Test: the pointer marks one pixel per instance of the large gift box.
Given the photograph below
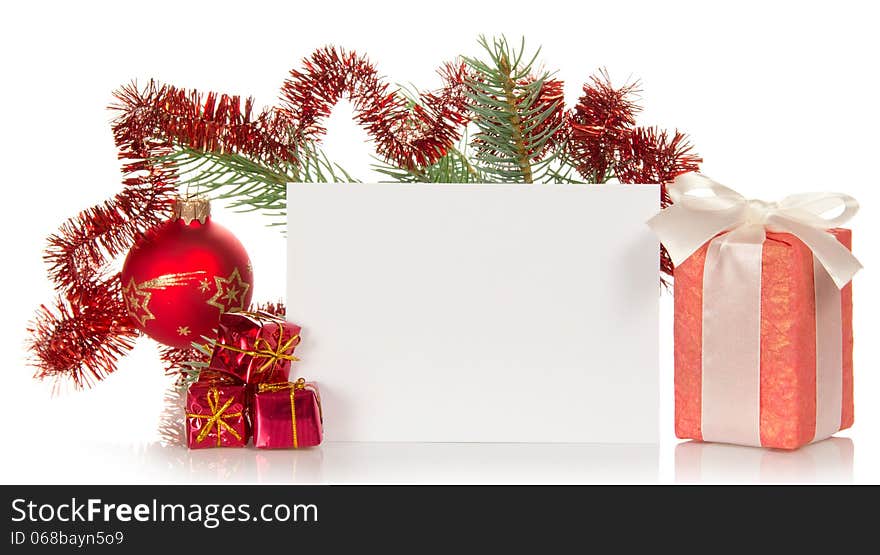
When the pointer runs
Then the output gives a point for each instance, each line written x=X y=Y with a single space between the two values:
x=763 y=315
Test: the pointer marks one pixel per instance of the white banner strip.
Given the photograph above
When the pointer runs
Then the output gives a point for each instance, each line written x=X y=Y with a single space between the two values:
x=829 y=353
x=731 y=407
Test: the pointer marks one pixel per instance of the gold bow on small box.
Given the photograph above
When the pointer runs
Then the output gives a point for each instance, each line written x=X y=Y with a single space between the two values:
x=216 y=418
x=263 y=349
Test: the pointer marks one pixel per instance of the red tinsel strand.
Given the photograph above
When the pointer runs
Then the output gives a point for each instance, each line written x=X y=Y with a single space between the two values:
x=600 y=123
x=652 y=156
x=552 y=97
x=82 y=339
x=89 y=328
x=409 y=136
x=212 y=122
x=275 y=309
x=435 y=124
x=86 y=243
x=174 y=359
x=667 y=268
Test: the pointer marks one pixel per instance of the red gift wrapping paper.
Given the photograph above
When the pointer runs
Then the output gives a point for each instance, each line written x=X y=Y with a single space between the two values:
x=254 y=347
x=286 y=415
x=216 y=415
x=788 y=343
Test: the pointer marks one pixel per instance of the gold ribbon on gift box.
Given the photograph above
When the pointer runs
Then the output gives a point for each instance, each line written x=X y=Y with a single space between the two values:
x=216 y=418
x=263 y=349
x=293 y=387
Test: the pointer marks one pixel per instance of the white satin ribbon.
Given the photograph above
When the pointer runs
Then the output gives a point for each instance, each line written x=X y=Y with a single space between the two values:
x=732 y=343
x=703 y=208
x=705 y=211
x=829 y=354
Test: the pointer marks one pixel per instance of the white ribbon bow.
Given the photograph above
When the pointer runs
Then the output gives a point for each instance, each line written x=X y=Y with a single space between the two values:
x=703 y=209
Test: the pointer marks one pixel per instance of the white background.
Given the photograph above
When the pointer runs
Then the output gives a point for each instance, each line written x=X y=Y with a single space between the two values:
x=778 y=98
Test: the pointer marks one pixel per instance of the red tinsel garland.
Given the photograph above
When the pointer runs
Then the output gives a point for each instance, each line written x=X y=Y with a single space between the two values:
x=211 y=122
x=600 y=123
x=412 y=135
x=88 y=330
x=604 y=141
x=83 y=338
x=650 y=155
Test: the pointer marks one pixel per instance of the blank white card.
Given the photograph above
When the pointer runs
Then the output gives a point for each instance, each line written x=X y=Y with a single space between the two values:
x=477 y=313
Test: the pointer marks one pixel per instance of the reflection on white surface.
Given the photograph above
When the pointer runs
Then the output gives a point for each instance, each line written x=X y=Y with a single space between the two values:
x=430 y=463
x=828 y=461
x=419 y=463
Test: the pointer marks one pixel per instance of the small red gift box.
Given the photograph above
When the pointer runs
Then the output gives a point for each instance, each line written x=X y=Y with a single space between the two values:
x=216 y=415
x=255 y=347
x=286 y=415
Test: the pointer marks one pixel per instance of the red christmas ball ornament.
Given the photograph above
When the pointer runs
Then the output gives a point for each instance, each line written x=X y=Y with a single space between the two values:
x=180 y=276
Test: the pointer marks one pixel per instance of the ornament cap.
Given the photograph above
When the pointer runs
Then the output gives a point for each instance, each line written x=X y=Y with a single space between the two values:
x=190 y=209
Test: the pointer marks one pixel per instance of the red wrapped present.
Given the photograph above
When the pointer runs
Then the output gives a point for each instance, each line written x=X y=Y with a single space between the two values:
x=255 y=347
x=287 y=415
x=763 y=315
x=216 y=415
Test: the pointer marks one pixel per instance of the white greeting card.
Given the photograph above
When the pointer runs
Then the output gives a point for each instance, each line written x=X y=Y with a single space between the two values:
x=491 y=313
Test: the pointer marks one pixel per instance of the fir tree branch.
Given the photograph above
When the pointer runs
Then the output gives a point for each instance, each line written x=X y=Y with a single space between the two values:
x=519 y=116
x=252 y=185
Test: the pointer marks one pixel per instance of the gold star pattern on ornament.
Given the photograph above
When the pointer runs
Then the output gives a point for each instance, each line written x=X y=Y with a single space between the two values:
x=204 y=285
x=230 y=292
x=183 y=330
x=137 y=301
x=231 y=296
